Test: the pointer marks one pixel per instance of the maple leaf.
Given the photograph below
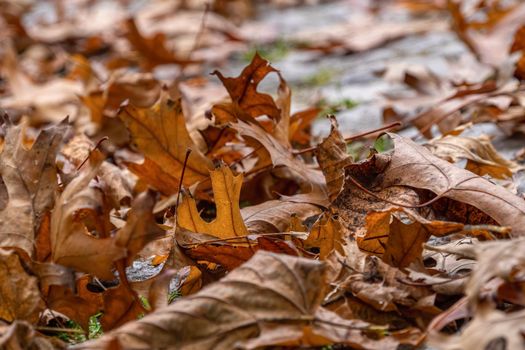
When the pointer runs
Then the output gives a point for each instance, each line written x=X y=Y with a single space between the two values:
x=160 y=133
x=28 y=183
x=222 y=316
x=229 y=222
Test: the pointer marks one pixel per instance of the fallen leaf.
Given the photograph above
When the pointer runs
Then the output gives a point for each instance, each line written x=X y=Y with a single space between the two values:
x=398 y=237
x=413 y=165
x=489 y=329
x=274 y=216
x=160 y=133
x=21 y=335
x=153 y=50
x=20 y=297
x=227 y=317
x=332 y=157
x=247 y=103
x=71 y=244
x=229 y=222
x=29 y=183
x=482 y=157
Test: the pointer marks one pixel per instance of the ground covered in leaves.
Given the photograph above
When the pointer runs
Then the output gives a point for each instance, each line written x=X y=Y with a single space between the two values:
x=161 y=189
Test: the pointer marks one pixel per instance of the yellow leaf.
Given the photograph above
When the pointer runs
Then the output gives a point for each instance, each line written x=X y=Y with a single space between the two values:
x=229 y=222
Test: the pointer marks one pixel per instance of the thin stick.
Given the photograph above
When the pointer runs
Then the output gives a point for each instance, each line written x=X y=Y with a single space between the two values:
x=61 y=330
x=188 y=151
x=353 y=137
x=105 y=138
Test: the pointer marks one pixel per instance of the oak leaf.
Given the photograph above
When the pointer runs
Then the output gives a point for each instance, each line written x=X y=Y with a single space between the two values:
x=160 y=133
x=414 y=166
x=229 y=222
x=247 y=103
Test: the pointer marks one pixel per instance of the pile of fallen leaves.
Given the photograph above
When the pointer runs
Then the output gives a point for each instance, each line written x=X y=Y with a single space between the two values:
x=173 y=212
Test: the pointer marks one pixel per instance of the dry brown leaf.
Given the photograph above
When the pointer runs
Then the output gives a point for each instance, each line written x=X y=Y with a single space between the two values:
x=310 y=179
x=247 y=103
x=231 y=256
x=20 y=297
x=28 y=184
x=492 y=38
x=275 y=215
x=51 y=101
x=114 y=182
x=229 y=222
x=371 y=281
x=481 y=155
x=153 y=50
x=398 y=236
x=413 y=165
x=71 y=244
x=489 y=329
x=332 y=158
x=326 y=234
x=140 y=227
x=21 y=335
x=120 y=306
x=160 y=133
x=247 y=308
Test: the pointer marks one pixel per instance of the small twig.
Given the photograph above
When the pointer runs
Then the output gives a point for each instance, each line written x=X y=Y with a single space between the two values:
x=353 y=137
x=105 y=138
x=61 y=330
x=188 y=151
x=243 y=237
